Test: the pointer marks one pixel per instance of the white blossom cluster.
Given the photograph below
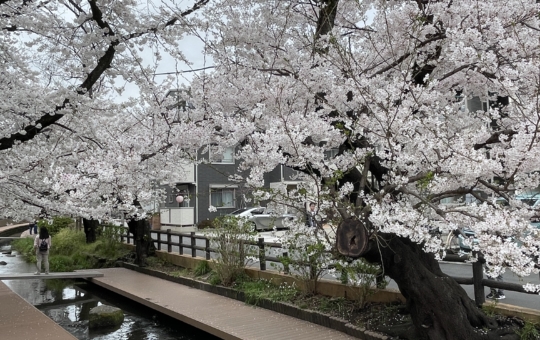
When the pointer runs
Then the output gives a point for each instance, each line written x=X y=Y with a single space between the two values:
x=384 y=86
x=355 y=90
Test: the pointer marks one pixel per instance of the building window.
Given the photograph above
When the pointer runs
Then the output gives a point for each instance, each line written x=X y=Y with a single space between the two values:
x=222 y=197
x=226 y=157
x=331 y=154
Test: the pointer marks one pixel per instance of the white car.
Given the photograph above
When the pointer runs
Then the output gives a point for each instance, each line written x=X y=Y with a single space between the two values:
x=262 y=219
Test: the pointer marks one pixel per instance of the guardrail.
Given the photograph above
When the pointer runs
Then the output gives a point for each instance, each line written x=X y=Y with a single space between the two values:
x=477 y=279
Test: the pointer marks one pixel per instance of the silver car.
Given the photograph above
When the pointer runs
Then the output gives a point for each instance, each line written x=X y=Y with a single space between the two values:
x=262 y=219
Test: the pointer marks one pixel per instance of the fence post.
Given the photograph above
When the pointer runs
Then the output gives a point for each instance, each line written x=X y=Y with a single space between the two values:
x=262 y=255
x=180 y=241
x=478 y=275
x=158 y=241
x=207 y=246
x=285 y=256
x=169 y=245
x=193 y=244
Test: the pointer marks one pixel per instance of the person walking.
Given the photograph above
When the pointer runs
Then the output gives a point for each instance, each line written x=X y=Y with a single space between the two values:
x=42 y=245
x=33 y=227
x=310 y=216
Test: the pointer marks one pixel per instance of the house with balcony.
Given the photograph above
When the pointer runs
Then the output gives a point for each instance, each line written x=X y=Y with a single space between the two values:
x=206 y=182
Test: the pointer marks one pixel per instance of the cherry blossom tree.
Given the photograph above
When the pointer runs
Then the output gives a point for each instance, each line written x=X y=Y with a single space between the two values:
x=72 y=140
x=383 y=82
x=386 y=83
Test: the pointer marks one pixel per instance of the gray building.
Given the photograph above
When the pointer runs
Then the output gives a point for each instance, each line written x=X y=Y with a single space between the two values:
x=207 y=184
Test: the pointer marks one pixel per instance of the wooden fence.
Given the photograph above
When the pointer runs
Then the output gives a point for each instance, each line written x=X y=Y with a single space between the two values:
x=477 y=279
x=160 y=243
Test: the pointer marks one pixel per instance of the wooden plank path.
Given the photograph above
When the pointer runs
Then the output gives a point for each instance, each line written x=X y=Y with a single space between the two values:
x=215 y=314
x=79 y=274
x=19 y=320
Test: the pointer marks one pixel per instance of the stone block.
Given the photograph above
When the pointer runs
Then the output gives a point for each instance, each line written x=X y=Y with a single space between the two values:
x=105 y=317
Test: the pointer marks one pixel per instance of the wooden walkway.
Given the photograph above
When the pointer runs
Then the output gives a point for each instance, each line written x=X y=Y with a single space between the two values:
x=79 y=274
x=215 y=314
x=19 y=320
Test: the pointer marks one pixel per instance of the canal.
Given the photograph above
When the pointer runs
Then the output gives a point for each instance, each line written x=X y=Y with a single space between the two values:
x=68 y=303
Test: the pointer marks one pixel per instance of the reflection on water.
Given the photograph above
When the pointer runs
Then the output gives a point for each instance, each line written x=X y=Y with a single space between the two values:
x=69 y=303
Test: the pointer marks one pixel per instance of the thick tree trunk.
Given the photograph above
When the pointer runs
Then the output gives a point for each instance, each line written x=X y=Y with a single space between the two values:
x=144 y=246
x=90 y=227
x=440 y=308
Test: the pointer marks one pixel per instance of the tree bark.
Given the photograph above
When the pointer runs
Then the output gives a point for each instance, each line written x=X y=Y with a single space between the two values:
x=144 y=246
x=90 y=230
x=440 y=308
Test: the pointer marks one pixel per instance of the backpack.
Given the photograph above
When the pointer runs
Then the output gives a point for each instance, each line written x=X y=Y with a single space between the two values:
x=43 y=246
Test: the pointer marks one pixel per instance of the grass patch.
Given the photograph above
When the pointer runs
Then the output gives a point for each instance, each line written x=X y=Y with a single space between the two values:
x=70 y=251
x=257 y=290
x=202 y=268
x=529 y=331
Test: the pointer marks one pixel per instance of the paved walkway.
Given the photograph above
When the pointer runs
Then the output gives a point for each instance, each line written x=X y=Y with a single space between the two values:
x=19 y=320
x=215 y=314
x=12 y=227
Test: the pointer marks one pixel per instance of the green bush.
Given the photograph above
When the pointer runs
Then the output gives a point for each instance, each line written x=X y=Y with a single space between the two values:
x=202 y=268
x=67 y=242
x=56 y=224
x=231 y=239
x=61 y=263
x=109 y=237
x=529 y=332
x=70 y=251
x=363 y=276
x=308 y=257
x=205 y=224
x=25 y=246
x=83 y=261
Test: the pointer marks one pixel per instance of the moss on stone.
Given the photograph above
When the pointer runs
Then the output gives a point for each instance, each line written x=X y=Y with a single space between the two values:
x=104 y=317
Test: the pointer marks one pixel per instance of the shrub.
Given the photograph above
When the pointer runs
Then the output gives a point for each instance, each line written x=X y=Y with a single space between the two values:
x=61 y=263
x=231 y=240
x=70 y=251
x=67 y=242
x=55 y=224
x=202 y=268
x=109 y=235
x=363 y=276
x=308 y=256
x=25 y=246
x=205 y=224
x=529 y=332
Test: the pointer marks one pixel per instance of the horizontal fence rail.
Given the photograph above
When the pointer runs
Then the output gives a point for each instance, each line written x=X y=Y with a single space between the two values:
x=477 y=280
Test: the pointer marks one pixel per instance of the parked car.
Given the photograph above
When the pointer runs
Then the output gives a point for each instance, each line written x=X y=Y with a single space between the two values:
x=261 y=219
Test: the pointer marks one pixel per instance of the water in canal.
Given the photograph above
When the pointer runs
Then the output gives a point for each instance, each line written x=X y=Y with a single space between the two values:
x=68 y=304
